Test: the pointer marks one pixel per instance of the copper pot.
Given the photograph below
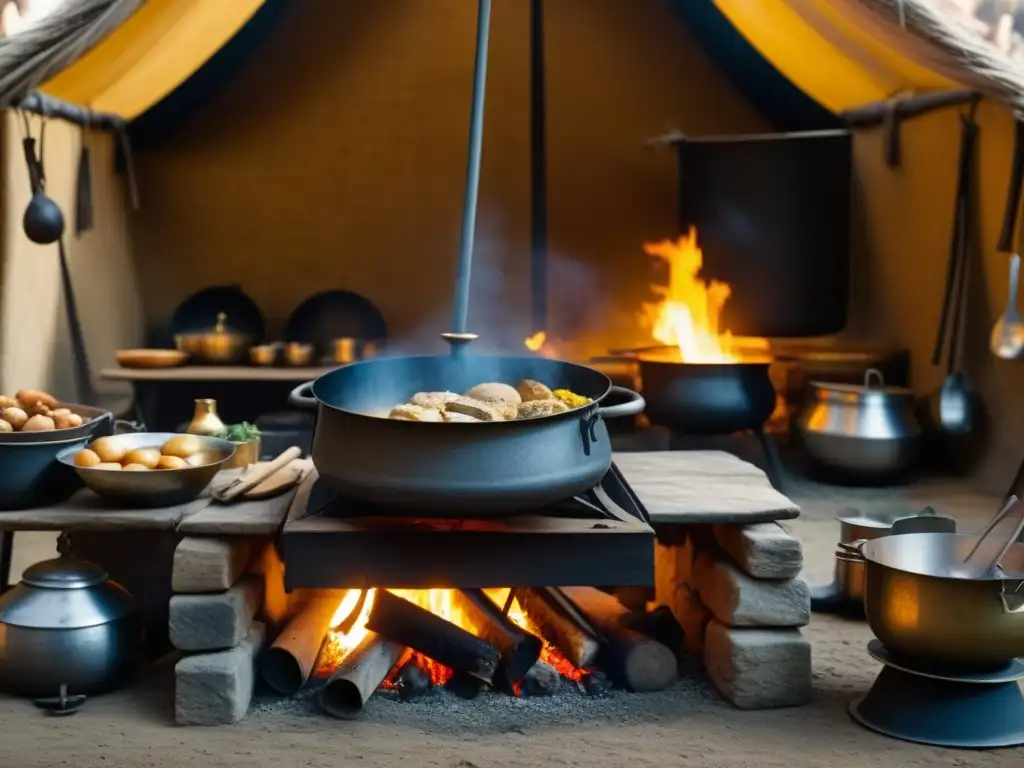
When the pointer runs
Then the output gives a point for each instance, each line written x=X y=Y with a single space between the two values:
x=219 y=345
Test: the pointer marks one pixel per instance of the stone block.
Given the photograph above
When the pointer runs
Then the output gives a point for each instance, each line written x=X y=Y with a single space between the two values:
x=762 y=550
x=758 y=668
x=739 y=600
x=209 y=564
x=217 y=621
x=216 y=688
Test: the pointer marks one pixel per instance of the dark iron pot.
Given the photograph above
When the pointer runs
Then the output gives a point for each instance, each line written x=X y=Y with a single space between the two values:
x=706 y=398
x=441 y=469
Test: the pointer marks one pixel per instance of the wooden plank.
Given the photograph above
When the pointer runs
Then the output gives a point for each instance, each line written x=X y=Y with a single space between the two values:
x=247 y=518
x=85 y=511
x=680 y=487
x=216 y=373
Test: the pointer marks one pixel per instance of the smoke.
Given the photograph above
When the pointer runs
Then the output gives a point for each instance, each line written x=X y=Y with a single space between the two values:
x=500 y=303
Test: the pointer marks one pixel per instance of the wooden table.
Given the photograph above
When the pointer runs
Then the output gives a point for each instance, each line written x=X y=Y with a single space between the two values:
x=85 y=511
x=164 y=396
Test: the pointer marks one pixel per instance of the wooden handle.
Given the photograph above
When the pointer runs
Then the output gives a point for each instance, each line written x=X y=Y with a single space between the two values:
x=257 y=475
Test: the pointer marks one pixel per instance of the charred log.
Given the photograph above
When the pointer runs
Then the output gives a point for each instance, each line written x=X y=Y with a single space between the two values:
x=560 y=624
x=409 y=625
x=518 y=648
x=541 y=680
x=412 y=681
x=287 y=664
x=596 y=683
x=465 y=686
x=630 y=659
x=659 y=624
x=358 y=676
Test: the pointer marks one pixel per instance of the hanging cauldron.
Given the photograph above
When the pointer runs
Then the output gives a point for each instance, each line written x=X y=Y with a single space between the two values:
x=773 y=216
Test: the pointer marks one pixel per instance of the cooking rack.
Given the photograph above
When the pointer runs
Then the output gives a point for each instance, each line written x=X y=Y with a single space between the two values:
x=601 y=538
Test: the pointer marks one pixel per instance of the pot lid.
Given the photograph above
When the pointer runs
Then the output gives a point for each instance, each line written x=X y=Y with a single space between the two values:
x=64 y=573
x=874 y=384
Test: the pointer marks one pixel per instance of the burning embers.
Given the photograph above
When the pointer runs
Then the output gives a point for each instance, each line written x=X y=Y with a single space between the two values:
x=519 y=642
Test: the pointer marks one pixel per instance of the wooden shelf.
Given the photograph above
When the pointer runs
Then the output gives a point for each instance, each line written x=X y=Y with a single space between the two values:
x=215 y=373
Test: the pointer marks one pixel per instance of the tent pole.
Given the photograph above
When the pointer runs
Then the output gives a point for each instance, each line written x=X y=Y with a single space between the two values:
x=538 y=173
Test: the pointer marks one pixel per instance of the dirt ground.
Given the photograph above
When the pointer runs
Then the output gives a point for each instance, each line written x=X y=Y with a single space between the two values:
x=685 y=726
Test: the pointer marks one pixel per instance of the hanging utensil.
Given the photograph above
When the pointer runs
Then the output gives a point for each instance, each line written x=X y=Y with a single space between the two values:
x=43 y=221
x=989 y=569
x=955 y=406
x=1008 y=334
x=1007 y=339
x=459 y=337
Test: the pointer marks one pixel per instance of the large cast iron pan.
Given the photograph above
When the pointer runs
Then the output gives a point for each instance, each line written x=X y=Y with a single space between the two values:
x=458 y=469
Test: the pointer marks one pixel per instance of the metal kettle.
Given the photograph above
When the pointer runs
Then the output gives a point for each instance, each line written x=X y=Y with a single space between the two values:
x=865 y=433
x=67 y=624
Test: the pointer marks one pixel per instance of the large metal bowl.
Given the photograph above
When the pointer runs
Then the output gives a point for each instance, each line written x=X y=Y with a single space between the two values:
x=159 y=487
x=100 y=422
x=922 y=604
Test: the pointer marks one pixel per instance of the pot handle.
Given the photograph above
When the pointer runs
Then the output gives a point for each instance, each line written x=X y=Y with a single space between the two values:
x=634 y=407
x=1013 y=599
x=302 y=397
x=851 y=553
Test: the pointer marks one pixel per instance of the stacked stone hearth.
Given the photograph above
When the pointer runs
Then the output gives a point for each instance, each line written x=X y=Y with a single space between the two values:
x=737 y=593
x=213 y=622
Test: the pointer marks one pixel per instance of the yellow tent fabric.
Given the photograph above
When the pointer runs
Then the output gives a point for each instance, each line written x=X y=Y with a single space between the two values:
x=152 y=53
x=822 y=48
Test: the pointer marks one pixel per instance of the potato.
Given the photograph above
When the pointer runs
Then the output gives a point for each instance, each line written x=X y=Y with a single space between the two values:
x=135 y=468
x=87 y=458
x=182 y=446
x=32 y=397
x=529 y=389
x=109 y=450
x=38 y=423
x=147 y=457
x=8 y=402
x=198 y=459
x=494 y=392
x=37 y=409
x=15 y=416
x=108 y=465
x=66 y=420
x=5 y=426
x=171 y=462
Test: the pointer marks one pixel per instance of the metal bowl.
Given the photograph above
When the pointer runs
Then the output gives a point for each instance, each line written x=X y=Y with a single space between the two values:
x=100 y=422
x=922 y=603
x=159 y=487
x=265 y=354
x=298 y=354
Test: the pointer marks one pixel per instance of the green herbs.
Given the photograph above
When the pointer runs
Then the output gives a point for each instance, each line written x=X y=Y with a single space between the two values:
x=241 y=433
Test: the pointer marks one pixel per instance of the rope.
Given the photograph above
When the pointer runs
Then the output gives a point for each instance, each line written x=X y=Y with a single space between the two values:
x=956 y=46
x=41 y=51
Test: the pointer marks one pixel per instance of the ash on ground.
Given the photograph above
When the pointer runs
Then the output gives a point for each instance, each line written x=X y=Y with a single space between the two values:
x=442 y=711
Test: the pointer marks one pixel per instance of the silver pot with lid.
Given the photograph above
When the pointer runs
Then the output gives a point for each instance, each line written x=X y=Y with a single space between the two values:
x=866 y=433
x=67 y=625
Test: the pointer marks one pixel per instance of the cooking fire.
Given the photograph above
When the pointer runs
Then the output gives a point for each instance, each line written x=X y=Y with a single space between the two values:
x=516 y=642
x=685 y=314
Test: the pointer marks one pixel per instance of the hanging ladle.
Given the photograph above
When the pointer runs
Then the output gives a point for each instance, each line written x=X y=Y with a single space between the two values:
x=955 y=407
x=1007 y=339
x=43 y=221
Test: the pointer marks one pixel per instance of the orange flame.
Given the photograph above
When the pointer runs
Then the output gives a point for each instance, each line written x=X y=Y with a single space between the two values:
x=440 y=602
x=535 y=342
x=688 y=311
